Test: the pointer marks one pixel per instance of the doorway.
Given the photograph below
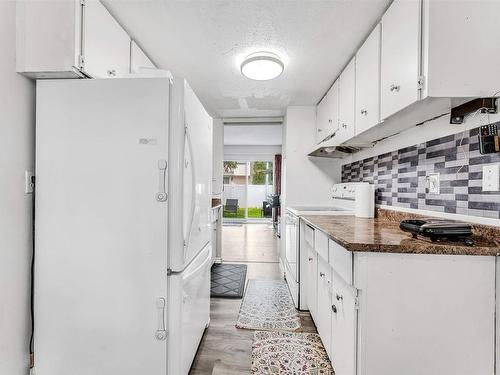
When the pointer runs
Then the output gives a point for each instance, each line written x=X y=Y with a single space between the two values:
x=247 y=186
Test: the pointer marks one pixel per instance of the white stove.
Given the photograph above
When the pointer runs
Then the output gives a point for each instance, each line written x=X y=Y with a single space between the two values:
x=344 y=199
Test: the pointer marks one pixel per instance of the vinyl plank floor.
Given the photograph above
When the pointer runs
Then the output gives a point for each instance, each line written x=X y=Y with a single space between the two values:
x=224 y=348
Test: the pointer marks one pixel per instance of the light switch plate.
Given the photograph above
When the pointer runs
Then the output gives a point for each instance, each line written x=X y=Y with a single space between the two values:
x=433 y=185
x=28 y=182
x=491 y=177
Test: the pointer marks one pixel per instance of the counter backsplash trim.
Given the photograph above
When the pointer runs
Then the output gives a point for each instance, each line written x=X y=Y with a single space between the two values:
x=400 y=176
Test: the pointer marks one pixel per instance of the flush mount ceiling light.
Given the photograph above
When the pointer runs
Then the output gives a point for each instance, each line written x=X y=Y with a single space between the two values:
x=262 y=66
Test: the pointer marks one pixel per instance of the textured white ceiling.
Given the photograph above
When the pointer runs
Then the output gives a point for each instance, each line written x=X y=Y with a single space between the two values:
x=252 y=135
x=205 y=41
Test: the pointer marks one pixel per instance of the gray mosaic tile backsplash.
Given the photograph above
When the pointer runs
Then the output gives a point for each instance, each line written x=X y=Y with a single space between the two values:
x=400 y=176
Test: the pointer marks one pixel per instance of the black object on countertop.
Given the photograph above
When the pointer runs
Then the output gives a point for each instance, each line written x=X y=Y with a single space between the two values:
x=439 y=229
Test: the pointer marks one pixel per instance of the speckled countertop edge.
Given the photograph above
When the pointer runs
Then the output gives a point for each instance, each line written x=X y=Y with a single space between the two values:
x=407 y=245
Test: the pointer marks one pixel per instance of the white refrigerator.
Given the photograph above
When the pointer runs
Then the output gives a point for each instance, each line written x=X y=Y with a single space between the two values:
x=122 y=264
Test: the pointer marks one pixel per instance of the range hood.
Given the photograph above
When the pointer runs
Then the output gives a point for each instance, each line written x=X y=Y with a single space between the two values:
x=330 y=148
x=335 y=152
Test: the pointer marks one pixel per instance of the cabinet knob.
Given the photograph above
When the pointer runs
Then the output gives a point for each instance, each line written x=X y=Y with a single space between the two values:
x=364 y=112
x=330 y=121
x=394 y=88
x=339 y=298
x=334 y=309
x=320 y=130
x=310 y=259
x=111 y=72
x=344 y=126
x=321 y=274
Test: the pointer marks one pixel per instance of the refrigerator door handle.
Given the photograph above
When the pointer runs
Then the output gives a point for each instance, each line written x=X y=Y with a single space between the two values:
x=161 y=196
x=161 y=332
x=193 y=190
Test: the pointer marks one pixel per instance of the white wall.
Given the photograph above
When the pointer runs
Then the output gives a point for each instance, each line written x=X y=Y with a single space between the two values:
x=17 y=105
x=218 y=157
x=251 y=153
x=306 y=180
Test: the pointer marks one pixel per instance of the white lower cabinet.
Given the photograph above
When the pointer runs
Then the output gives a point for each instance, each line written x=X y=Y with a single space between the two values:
x=343 y=327
x=324 y=317
x=408 y=314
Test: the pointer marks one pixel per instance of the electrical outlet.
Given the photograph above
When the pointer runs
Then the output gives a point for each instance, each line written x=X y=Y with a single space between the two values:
x=433 y=185
x=491 y=177
x=29 y=182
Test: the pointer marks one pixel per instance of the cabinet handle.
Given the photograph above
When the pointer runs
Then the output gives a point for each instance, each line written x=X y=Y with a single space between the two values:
x=394 y=88
x=111 y=72
x=364 y=112
x=310 y=259
x=334 y=309
x=339 y=298
x=344 y=126
x=321 y=274
x=330 y=121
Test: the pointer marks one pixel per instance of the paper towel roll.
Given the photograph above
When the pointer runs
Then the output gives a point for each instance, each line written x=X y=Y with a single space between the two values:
x=365 y=201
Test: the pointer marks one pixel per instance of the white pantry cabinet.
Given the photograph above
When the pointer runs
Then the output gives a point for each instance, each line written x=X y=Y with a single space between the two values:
x=347 y=97
x=400 y=56
x=368 y=82
x=70 y=39
x=327 y=114
x=138 y=59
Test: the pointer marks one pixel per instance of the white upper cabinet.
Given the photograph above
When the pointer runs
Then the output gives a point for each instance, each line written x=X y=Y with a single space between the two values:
x=327 y=113
x=70 y=39
x=321 y=119
x=400 y=56
x=106 y=46
x=461 y=52
x=138 y=59
x=347 y=97
x=368 y=82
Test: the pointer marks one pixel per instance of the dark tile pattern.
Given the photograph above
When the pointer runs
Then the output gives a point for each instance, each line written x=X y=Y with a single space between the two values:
x=400 y=176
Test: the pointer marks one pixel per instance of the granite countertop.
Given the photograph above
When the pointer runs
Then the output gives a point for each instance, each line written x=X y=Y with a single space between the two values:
x=383 y=235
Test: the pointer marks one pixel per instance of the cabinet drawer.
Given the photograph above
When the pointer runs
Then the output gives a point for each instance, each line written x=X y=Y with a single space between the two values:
x=341 y=260
x=309 y=235
x=321 y=244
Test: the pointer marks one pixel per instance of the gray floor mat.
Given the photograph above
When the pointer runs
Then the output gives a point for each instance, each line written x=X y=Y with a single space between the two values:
x=228 y=280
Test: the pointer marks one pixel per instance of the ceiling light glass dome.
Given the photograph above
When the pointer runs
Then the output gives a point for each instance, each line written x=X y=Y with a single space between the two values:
x=262 y=66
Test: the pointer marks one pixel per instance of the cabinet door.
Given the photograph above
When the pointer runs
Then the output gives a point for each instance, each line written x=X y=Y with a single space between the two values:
x=138 y=59
x=343 y=328
x=400 y=56
x=321 y=119
x=347 y=96
x=106 y=48
x=324 y=318
x=332 y=122
x=312 y=282
x=368 y=83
